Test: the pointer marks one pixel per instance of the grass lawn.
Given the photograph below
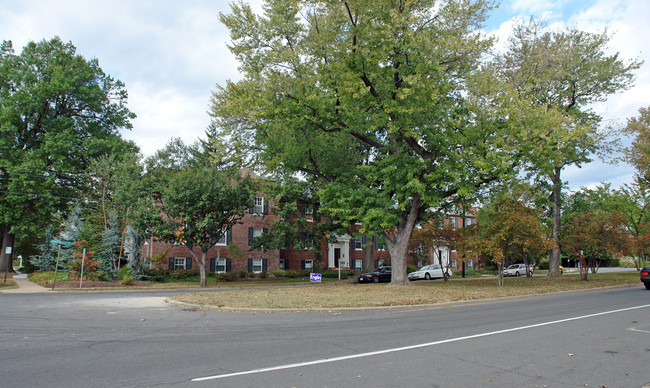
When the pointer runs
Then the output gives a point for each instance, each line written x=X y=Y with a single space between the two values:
x=350 y=295
x=9 y=283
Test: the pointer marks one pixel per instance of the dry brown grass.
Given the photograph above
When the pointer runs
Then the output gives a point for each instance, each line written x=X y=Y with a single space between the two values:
x=386 y=295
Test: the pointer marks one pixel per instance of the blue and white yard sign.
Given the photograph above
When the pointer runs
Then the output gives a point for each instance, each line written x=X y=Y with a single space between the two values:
x=315 y=277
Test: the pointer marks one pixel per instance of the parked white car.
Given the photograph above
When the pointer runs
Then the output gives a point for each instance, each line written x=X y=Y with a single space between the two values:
x=429 y=272
x=517 y=270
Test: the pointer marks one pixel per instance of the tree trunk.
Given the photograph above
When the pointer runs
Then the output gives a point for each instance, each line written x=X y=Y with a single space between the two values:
x=556 y=209
x=204 y=255
x=368 y=259
x=500 y=267
x=399 y=250
x=584 y=270
x=7 y=241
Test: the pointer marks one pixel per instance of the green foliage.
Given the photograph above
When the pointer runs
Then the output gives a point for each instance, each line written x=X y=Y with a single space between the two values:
x=374 y=105
x=183 y=274
x=58 y=112
x=638 y=153
x=543 y=263
x=335 y=274
x=627 y=262
x=110 y=248
x=197 y=204
x=47 y=277
x=159 y=259
x=563 y=72
x=235 y=252
x=225 y=277
x=125 y=275
x=411 y=268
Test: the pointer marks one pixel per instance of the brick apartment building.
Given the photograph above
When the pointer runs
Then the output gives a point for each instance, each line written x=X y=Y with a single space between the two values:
x=345 y=251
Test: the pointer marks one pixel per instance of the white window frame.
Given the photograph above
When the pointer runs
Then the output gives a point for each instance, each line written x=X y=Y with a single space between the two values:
x=258 y=232
x=283 y=264
x=220 y=265
x=257 y=263
x=469 y=221
x=309 y=215
x=309 y=264
x=453 y=222
x=258 y=205
x=180 y=262
x=223 y=241
x=358 y=244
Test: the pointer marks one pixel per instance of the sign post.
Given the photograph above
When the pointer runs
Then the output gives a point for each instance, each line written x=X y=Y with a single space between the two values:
x=83 y=260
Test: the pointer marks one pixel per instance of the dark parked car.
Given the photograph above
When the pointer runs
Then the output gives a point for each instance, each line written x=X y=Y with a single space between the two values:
x=645 y=277
x=381 y=274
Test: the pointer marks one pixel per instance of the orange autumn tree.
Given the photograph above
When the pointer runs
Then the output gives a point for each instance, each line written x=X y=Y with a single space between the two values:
x=509 y=226
x=594 y=232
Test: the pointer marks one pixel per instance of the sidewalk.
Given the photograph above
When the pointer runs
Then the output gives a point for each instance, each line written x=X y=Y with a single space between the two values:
x=25 y=286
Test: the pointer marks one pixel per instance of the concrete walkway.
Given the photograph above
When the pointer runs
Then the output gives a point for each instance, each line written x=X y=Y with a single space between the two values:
x=25 y=286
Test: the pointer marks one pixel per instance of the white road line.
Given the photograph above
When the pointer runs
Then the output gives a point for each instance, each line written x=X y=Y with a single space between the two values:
x=428 y=344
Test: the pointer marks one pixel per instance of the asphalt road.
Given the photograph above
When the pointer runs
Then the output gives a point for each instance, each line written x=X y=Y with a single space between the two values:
x=118 y=339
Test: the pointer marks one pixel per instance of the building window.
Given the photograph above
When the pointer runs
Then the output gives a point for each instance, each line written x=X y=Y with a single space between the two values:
x=254 y=233
x=379 y=246
x=359 y=242
x=221 y=266
x=225 y=239
x=453 y=222
x=180 y=263
x=258 y=205
x=256 y=265
x=454 y=264
x=283 y=264
x=308 y=265
x=308 y=214
x=469 y=221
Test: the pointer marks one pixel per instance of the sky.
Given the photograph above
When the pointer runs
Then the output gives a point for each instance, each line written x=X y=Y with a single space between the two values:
x=171 y=55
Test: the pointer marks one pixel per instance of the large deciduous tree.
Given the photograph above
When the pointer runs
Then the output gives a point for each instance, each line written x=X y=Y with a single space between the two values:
x=638 y=154
x=565 y=71
x=198 y=205
x=383 y=104
x=58 y=112
x=594 y=227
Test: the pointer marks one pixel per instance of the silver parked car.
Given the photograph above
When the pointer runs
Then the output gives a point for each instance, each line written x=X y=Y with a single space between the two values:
x=427 y=272
x=517 y=270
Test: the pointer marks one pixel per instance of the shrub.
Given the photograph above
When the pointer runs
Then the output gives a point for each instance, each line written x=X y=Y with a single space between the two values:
x=225 y=277
x=627 y=262
x=543 y=264
x=183 y=274
x=411 y=268
x=241 y=274
x=335 y=274
x=292 y=274
x=262 y=275
x=156 y=275
x=280 y=273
